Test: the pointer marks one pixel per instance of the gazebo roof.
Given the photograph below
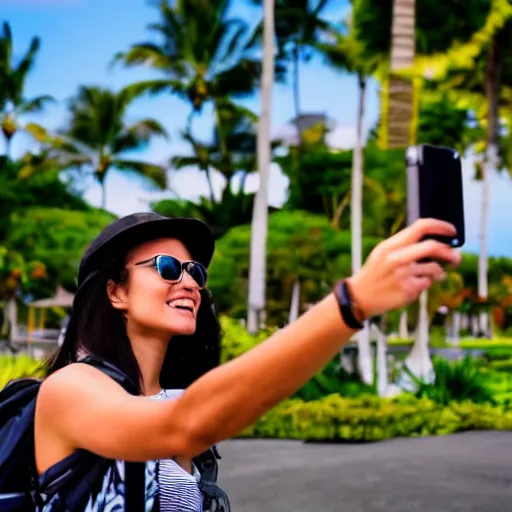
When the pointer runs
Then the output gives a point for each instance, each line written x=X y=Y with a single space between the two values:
x=62 y=298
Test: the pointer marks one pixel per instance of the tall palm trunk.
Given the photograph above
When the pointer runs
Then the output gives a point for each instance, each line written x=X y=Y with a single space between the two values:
x=403 y=327
x=259 y=227
x=402 y=57
x=103 y=194
x=210 y=183
x=401 y=134
x=365 y=359
x=492 y=90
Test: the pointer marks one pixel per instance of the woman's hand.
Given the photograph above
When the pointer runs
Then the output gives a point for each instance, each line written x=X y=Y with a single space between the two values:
x=392 y=276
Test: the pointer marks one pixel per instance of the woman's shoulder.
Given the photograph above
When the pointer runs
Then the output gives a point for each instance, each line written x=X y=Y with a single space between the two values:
x=76 y=380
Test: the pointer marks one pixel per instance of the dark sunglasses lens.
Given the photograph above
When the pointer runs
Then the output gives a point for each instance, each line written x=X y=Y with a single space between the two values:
x=198 y=273
x=169 y=268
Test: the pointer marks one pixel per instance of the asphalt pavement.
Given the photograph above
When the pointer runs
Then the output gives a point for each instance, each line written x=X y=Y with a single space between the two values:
x=469 y=472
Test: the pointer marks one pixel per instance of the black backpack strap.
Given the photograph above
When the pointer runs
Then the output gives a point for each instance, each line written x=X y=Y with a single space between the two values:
x=135 y=485
x=113 y=372
x=135 y=472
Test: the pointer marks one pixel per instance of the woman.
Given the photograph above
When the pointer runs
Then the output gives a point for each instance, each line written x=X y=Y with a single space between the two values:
x=141 y=305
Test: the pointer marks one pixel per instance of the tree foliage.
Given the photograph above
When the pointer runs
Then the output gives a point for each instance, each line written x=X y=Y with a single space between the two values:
x=301 y=246
x=321 y=183
x=57 y=237
x=45 y=190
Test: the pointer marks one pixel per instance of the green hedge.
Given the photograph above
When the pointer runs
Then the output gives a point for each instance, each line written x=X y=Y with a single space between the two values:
x=374 y=419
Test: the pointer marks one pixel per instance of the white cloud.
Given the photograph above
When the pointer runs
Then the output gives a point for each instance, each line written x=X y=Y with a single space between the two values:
x=342 y=137
x=126 y=195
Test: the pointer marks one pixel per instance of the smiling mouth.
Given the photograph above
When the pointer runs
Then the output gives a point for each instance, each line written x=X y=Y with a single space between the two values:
x=183 y=308
x=182 y=305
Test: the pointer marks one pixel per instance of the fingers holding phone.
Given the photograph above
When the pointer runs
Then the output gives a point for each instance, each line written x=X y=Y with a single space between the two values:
x=393 y=275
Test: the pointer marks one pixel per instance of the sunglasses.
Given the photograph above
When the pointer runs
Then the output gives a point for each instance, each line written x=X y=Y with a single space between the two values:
x=171 y=269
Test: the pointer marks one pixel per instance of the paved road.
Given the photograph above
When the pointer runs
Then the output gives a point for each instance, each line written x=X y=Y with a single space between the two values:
x=469 y=472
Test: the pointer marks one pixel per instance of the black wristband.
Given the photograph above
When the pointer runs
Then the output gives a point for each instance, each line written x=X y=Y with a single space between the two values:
x=346 y=305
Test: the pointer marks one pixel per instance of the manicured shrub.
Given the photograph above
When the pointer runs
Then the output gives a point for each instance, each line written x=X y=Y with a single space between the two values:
x=370 y=419
x=236 y=340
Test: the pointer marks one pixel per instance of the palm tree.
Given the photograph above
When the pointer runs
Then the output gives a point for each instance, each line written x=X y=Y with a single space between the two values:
x=231 y=152
x=203 y=54
x=99 y=139
x=202 y=156
x=259 y=226
x=12 y=85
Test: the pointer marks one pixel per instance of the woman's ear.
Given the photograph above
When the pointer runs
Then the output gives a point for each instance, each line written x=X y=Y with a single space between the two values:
x=117 y=295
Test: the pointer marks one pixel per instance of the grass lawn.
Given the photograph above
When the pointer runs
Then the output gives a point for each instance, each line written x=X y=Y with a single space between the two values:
x=466 y=343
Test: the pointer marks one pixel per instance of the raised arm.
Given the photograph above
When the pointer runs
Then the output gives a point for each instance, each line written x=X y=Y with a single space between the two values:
x=91 y=412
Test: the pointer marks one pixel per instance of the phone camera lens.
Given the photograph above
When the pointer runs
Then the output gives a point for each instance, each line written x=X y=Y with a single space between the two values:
x=411 y=155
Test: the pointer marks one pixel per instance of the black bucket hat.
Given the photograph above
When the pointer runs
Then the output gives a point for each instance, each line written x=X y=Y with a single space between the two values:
x=127 y=232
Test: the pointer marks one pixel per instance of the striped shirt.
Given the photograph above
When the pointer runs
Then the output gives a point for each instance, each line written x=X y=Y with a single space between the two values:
x=178 y=490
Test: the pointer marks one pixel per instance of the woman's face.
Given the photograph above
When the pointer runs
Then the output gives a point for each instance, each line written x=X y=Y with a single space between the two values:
x=150 y=303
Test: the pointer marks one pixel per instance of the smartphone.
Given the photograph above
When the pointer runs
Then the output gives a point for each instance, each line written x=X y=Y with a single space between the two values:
x=434 y=188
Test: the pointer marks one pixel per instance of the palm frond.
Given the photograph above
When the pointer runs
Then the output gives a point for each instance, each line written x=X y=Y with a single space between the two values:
x=147 y=54
x=5 y=47
x=35 y=104
x=38 y=132
x=138 y=135
x=28 y=61
x=66 y=145
x=181 y=162
x=231 y=44
x=50 y=161
x=147 y=128
x=239 y=80
x=154 y=174
x=151 y=87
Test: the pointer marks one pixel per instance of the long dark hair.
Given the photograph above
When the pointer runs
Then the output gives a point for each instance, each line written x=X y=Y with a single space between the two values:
x=98 y=329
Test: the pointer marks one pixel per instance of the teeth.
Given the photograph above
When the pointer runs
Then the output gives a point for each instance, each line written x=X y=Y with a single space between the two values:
x=182 y=303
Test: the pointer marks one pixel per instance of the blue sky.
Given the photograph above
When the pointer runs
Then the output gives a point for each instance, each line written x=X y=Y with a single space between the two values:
x=79 y=38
